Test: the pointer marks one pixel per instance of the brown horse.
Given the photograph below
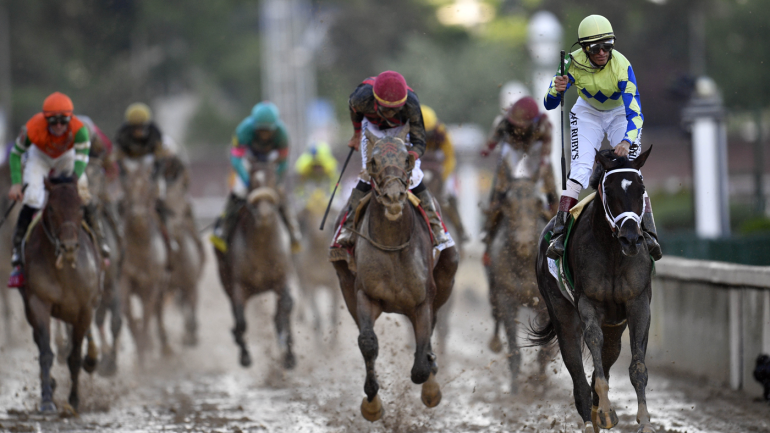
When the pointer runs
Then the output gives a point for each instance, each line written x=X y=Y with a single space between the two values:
x=188 y=258
x=315 y=244
x=144 y=272
x=63 y=268
x=510 y=272
x=257 y=261
x=395 y=271
x=110 y=299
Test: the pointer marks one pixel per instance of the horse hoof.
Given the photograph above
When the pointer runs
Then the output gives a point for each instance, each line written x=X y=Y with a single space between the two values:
x=495 y=344
x=604 y=420
x=245 y=359
x=167 y=351
x=431 y=392
x=47 y=407
x=108 y=367
x=89 y=365
x=373 y=410
x=190 y=340
x=69 y=411
x=289 y=361
x=646 y=429
x=589 y=428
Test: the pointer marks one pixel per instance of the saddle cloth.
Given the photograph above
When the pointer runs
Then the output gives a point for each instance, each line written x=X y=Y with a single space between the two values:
x=558 y=268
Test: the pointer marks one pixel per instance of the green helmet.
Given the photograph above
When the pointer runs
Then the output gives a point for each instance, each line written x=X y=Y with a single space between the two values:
x=265 y=116
x=594 y=28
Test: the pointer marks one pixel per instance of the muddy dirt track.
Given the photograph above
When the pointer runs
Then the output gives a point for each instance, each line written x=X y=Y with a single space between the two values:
x=205 y=389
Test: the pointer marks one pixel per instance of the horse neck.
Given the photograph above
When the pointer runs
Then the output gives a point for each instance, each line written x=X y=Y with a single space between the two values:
x=388 y=232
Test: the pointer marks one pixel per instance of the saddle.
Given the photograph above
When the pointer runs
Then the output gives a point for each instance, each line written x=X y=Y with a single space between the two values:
x=337 y=252
x=559 y=268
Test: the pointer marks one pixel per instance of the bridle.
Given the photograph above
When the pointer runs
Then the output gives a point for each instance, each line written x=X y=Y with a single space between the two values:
x=625 y=216
x=54 y=237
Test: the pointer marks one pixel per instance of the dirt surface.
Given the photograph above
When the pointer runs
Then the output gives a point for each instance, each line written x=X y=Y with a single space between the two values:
x=205 y=389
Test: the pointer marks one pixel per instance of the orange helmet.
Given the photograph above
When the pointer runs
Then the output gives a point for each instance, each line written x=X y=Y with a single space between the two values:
x=390 y=89
x=57 y=103
x=523 y=112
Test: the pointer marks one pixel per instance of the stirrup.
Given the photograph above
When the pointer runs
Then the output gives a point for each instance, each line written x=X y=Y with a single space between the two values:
x=16 y=279
x=346 y=238
x=555 y=249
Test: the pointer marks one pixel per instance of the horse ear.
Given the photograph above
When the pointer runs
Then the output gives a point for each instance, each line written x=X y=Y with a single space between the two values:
x=603 y=160
x=641 y=159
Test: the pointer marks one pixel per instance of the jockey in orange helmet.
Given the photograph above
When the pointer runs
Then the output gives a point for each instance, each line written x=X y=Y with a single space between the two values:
x=56 y=142
x=385 y=105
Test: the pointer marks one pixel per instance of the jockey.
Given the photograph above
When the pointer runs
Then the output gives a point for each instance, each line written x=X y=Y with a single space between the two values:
x=608 y=104
x=437 y=141
x=385 y=105
x=58 y=143
x=259 y=136
x=526 y=137
x=317 y=164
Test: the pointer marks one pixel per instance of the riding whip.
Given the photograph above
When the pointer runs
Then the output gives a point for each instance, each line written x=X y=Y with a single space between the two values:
x=323 y=221
x=10 y=208
x=563 y=162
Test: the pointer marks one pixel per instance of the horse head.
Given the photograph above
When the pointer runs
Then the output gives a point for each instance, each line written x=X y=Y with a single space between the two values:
x=524 y=208
x=263 y=197
x=62 y=218
x=621 y=190
x=177 y=184
x=390 y=167
x=140 y=193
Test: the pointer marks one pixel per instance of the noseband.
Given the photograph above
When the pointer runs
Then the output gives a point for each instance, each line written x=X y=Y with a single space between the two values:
x=404 y=179
x=54 y=237
x=625 y=216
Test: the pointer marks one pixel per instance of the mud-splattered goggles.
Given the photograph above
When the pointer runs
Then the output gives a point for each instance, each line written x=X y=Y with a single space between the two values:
x=61 y=120
x=607 y=45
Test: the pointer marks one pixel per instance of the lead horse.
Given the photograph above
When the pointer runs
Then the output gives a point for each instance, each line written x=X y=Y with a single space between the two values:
x=395 y=271
x=63 y=269
x=612 y=289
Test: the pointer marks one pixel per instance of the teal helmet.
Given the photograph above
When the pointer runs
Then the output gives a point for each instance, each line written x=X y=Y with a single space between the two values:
x=265 y=116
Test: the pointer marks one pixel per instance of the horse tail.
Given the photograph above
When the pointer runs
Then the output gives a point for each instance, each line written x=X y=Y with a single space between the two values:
x=541 y=330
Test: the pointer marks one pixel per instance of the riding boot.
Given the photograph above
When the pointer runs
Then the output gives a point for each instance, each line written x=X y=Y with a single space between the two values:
x=95 y=223
x=651 y=236
x=224 y=225
x=453 y=213
x=16 y=279
x=346 y=238
x=429 y=206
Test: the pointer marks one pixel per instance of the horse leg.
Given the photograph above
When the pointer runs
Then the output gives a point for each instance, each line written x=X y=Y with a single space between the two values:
x=367 y=313
x=133 y=324
x=508 y=312
x=109 y=364
x=594 y=339
x=610 y=354
x=159 y=307
x=495 y=344
x=89 y=365
x=283 y=327
x=238 y=301
x=39 y=317
x=638 y=313
x=191 y=324
x=570 y=337
x=60 y=339
x=74 y=359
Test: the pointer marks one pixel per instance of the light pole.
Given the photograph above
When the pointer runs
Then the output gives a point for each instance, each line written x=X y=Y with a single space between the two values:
x=704 y=117
x=545 y=39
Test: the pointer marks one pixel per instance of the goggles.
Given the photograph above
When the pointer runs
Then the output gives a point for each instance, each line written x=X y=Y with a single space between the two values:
x=607 y=45
x=61 y=120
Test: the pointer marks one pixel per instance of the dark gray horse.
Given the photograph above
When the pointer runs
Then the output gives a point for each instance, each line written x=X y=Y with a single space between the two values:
x=612 y=289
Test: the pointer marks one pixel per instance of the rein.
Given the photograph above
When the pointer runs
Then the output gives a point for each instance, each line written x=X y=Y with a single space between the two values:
x=625 y=216
x=376 y=189
x=51 y=238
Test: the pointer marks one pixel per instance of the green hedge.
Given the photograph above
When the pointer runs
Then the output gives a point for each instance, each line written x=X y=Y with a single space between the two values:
x=746 y=250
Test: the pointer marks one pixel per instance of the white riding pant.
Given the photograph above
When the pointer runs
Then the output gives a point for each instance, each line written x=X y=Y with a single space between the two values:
x=37 y=168
x=588 y=126
x=417 y=173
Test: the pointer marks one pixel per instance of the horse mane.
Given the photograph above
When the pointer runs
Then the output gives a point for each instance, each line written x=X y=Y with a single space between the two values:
x=62 y=179
x=617 y=162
